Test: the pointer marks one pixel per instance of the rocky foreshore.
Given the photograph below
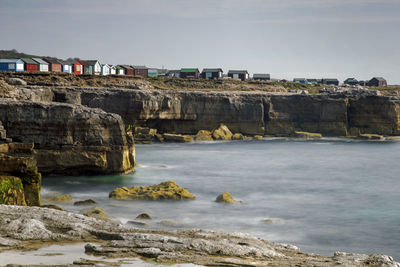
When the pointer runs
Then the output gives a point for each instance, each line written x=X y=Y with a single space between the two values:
x=33 y=227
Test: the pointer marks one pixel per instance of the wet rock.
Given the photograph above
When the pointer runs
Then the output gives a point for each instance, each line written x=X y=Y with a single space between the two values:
x=237 y=136
x=58 y=199
x=273 y=221
x=177 y=138
x=371 y=136
x=95 y=212
x=307 y=135
x=258 y=137
x=222 y=133
x=203 y=135
x=226 y=198
x=143 y=216
x=85 y=202
x=164 y=191
x=51 y=206
x=16 y=81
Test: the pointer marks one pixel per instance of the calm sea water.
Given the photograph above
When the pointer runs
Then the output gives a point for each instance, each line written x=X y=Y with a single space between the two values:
x=326 y=196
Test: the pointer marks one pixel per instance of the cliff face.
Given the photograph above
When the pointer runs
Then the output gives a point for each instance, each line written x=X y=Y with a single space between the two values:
x=249 y=113
x=69 y=139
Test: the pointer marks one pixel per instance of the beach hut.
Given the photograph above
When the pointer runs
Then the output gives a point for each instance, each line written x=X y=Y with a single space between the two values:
x=351 y=81
x=65 y=66
x=330 y=81
x=377 y=82
x=239 y=74
x=261 y=77
x=113 y=70
x=174 y=73
x=77 y=66
x=212 y=73
x=42 y=65
x=141 y=71
x=30 y=64
x=105 y=69
x=119 y=70
x=91 y=67
x=54 y=64
x=151 y=72
x=11 y=65
x=128 y=70
x=189 y=73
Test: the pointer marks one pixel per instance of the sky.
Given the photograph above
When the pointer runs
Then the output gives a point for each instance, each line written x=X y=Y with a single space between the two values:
x=286 y=38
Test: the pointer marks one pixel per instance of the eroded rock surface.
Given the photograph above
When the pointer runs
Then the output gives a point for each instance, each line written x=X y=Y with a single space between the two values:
x=21 y=224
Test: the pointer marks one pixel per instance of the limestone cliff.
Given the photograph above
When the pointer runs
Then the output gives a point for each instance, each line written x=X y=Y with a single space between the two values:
x=69 y=139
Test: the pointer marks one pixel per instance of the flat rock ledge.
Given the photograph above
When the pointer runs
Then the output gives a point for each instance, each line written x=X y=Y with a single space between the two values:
x=168 y=190
x=26 y=227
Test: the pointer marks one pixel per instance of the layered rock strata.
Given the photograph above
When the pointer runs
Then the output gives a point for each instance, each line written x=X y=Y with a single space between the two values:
x=248 y=113
x=70 y=139
x=20 y=227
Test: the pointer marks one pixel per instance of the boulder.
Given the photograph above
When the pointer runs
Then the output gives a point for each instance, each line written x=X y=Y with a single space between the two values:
x=95 y=212
x=58 y=199
x=237 y=136
x=144 y=134
x=177 y=138
x=222 y=133
x=16 y=81
x=85 y=202
x=258 y=137
x=164 y=191
x=203 y=135
x=143 y=216
x=307 y=135
x=226 y=198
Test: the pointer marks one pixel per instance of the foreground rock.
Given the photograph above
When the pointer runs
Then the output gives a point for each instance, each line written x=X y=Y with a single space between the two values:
x=70 y=139
x=165 y=191
x=21 y=224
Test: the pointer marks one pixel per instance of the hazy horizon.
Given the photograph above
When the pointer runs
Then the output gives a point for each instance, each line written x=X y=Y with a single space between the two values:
x=286 y=38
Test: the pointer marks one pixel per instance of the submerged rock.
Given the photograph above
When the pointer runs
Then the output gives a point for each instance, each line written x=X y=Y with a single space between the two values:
x=58 y=199
x=222 y=133
x=164 y=191
x=226 y=198
x=177 y=138
x=85 y=202
x=143 y=216
x=272 y=221
x=371 y=136
x=136 y=223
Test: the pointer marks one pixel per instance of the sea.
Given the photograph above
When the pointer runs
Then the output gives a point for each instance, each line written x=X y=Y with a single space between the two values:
x=321 y=196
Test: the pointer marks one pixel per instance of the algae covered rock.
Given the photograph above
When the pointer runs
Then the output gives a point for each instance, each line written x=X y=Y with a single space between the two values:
x=84 y=202
x=203 y=135
x=177 y=138
x=11 y=191
x=226 y=198
x=95 y=212
x=307 y=135
x=222 y=133
x=164 y=191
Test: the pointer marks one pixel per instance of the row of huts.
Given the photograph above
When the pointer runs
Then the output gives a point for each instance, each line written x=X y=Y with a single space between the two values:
x=94 y=67
x=375 y=81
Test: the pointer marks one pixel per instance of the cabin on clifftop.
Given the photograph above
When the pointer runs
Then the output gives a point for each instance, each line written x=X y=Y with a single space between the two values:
x=105 y=69
x=330 y=81
x=11 y=65
x=189 y=73
x=212 y=73
x=141 y=71
x=77 y=66
x=30 y=64
x=91 y=67
x=377 y=82
x=261 y=76
x=152 y=72
x=351 y=81
x=239 y=74
x=42 y=65
x=128 y=70
x=54 y=64
x=65 y=66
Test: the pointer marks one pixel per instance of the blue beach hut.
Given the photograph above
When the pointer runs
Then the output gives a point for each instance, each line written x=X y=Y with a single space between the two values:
x=11 y=65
